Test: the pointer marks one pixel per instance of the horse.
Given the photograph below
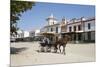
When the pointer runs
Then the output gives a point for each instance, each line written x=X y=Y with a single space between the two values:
x=62 y=42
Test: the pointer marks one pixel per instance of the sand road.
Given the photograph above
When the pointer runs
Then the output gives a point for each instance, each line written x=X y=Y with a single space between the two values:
x=25 y=53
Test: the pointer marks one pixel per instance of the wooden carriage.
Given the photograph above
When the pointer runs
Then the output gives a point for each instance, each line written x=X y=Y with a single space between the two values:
x=53 y=37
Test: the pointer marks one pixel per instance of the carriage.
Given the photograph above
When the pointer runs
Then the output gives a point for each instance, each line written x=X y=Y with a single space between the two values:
x=49 y=47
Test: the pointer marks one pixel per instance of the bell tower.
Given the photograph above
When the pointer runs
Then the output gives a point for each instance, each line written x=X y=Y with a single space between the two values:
x=64 y=25
x=64 y=21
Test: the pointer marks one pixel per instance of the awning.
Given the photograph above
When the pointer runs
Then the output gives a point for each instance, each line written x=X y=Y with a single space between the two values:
x=68 y=32
x=49 y=34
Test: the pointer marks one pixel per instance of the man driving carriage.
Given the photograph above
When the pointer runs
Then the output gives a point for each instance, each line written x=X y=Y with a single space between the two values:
x=46 y=40
x=45 y=44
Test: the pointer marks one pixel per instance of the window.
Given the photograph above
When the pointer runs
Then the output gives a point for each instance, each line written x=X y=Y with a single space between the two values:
x=48 y=29
x=79 y=27
x=74 y=28
x=89 y=26
x=70 y=29
x=51 y=29
x=53 y=22
x=79 y=36
x=32 y=34
x=56 y=29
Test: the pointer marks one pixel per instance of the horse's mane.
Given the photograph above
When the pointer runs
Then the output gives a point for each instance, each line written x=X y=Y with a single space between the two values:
x=64 y=39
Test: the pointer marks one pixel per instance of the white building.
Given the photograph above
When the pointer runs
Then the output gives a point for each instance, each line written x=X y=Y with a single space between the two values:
x=53 y=25
x=26 y=34
x=80 y=30
x=51 y=20
x=22 y=34
x=35 y=33
x=32 y=33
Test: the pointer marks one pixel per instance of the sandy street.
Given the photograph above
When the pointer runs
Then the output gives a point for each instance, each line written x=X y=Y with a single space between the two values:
x=25 y=53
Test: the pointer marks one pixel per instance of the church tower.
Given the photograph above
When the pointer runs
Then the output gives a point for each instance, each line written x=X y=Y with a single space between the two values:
x=64 y=21
x=51 y=20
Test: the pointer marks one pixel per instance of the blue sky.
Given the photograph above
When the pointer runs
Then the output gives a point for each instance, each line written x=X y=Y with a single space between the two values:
x=36 y=17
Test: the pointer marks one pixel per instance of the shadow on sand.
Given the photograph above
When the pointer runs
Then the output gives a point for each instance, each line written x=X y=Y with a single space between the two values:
x=14 y=50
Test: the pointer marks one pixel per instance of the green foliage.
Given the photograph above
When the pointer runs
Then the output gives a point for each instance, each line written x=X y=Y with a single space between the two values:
x=17 y=8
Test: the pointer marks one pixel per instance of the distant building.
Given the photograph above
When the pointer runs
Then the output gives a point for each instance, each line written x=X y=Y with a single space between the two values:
x=35 y=33
x=32 y=33
x=21 y=36
x=26 y=34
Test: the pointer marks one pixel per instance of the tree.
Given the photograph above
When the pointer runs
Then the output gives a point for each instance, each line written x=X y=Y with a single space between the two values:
x=17 y=8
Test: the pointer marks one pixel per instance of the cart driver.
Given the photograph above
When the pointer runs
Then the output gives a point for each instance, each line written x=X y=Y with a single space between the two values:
x=46 y=40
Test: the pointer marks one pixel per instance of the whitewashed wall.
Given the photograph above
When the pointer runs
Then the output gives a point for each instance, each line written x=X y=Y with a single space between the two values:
x=26 y=34
x=92 y=23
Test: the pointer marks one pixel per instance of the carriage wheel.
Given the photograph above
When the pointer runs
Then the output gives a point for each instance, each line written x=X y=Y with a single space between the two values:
x=42 y=49
x=49 y=49
x=45 y=49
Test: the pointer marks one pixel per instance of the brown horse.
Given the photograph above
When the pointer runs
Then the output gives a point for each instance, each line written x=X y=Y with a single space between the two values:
x=62 y=42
